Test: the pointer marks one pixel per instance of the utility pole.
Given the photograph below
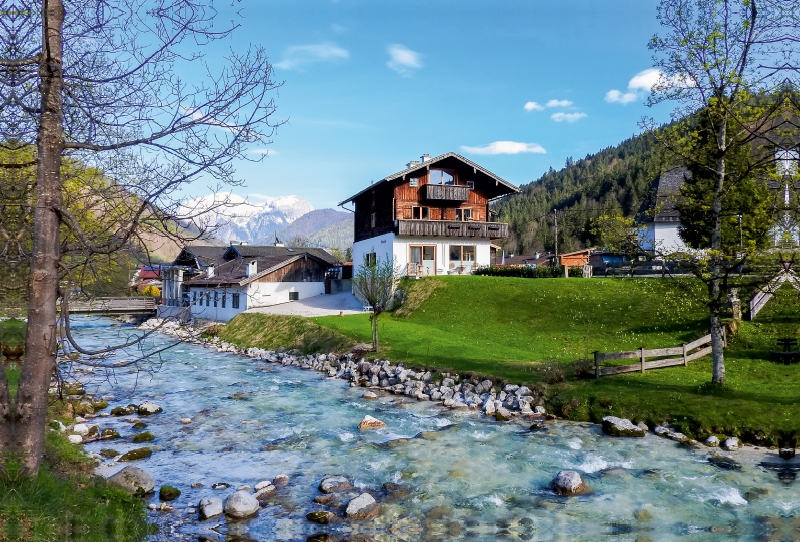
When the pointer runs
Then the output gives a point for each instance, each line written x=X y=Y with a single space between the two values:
x=555 y=218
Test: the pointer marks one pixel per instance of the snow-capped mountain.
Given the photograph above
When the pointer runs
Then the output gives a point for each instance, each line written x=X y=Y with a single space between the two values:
x=230 y=217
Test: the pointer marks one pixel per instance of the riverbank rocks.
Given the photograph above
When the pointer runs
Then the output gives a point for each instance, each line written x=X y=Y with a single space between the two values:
x=241 y=504
x=332 y=484
x=731 y=443
x=621 y=427
x=724 y=462
x=136 y=454
x=370 y=423
x=712 y=441
x=139 y=425
x=369 y=395
x=569 y=482
x=186 y=421
x=109 y=433
x=281 y=480
x=362 y=507
x=145 y=436
x=75 y=439
x=133 y=480
x=148 y=409
x=80 y=429
x=210 y=507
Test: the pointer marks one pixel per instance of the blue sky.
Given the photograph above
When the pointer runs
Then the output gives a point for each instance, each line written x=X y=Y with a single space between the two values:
x=517 y=86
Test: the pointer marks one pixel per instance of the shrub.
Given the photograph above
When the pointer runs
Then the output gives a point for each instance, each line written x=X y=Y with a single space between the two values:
x=541 y=272
x=553 y=374
x=583 y=368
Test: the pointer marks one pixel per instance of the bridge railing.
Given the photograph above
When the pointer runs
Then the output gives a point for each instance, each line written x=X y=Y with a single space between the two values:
x=113 y=304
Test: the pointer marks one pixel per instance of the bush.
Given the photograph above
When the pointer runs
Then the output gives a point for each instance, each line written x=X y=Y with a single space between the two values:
x=541 y=272
x=553 y=374
x=583 y=368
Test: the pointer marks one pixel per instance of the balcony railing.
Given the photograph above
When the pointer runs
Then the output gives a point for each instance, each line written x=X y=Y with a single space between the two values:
x=445 y=192
x=449 y=228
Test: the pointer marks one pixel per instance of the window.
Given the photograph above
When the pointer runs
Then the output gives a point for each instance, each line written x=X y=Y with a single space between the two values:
x=471 y=185
x=463 y=214
x=413 y=182
x=462 y=258
x=294 y=296
x=224 y=295
x=216 y=298
x=442 y=176
x=235 y=301
x=372 y=220
x=421 y=213
x=194 y=299
x=372 y=259
x=423 y=260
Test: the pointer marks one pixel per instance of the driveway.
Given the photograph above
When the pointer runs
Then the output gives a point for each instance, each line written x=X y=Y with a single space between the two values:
x=320 y=305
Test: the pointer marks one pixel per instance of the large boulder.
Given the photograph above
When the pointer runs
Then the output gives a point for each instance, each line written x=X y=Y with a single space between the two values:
x=332 y=484
x=241 y=504
x=621 y=427
x=362 y=507
x=731 y=443
x=370 y=423
x=210 y=507
x=569 y=482
x=133 y=480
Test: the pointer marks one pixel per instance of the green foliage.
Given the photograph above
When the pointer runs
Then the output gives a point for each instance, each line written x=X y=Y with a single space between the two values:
x=65 y=502
x=614 y=181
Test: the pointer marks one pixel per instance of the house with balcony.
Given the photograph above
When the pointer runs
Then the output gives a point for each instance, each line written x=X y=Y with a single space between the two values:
x=431 y=218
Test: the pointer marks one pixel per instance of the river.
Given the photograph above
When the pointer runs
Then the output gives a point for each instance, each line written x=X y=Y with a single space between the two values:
x=468 y=477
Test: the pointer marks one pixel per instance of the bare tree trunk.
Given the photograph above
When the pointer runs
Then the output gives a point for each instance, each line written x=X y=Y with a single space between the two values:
x=6 y=417
x=40 y=351
x=375 y=331
x=717 y=353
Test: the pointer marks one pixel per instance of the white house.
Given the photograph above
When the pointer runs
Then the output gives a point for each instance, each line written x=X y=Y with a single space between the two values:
x=432 y=218
x=658 y=231
x=242 y=277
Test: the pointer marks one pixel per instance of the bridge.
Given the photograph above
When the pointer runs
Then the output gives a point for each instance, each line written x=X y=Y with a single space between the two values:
x=113 y=305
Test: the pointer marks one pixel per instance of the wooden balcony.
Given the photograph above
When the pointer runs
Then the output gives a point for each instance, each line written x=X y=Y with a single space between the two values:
x=449 y=228
x=445 y=192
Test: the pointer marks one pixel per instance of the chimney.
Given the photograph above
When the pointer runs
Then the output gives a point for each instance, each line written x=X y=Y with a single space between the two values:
x=426 y=158
x=210 y=272
x=252 y=269
x=412 y=163
x=278 y=242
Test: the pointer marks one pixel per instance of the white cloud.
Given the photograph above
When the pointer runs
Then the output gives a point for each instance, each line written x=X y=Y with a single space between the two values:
x=645 y=80
x=403 y=59
x=559 y=103
x=506 y=147
x=615 y=96
x=299 y=56
x=568 y=117
x=533 y=106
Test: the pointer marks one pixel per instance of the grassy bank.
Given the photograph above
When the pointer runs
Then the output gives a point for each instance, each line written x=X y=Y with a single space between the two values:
x=532 y=331
x=65 y=501
x=289 y=332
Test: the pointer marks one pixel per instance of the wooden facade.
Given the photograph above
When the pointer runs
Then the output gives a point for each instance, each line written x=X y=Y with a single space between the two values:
x=411 y=205
x=302 y=270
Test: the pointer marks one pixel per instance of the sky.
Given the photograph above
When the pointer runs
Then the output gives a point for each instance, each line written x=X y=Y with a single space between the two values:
x=517 y=86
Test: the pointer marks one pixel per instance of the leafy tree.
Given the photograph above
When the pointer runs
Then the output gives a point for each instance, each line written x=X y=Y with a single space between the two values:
x=375 y=281
x=95 y=82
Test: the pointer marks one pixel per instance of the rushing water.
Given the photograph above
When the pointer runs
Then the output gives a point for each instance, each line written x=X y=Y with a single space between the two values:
x=469 y=477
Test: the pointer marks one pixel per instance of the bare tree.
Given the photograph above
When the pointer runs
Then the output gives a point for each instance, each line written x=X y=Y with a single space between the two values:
x=376 y=281
x=716 y=56
x=96 y=82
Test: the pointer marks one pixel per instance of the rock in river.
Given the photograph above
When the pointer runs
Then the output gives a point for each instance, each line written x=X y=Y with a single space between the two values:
x=133 y=480
x=712 y=441
x=210 y=507
x=241 y=504
x=169 y=493
x=621 y=427
x=320 y=517
x=137 y=453
x=147 y=408
x=569 y=482
x=731 y=443
x=362 y=507
x=370 y=423
x=331 y=484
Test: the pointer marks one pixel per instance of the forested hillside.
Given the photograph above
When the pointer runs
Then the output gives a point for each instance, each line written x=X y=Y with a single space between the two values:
x=614 y=180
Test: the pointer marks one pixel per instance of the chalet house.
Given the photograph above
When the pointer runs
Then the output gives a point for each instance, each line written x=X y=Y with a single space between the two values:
x=217 y=283
x=432 y=218
x=577 y=258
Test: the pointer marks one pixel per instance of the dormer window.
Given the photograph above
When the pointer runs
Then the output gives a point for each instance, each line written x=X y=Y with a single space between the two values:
x=442 y=176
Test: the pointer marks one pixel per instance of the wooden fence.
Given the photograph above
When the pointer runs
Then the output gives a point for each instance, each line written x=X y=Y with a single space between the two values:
x=685 y=352
x=119 y=305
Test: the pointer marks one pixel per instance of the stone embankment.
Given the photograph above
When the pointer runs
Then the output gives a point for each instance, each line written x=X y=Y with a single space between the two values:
x=451 y=391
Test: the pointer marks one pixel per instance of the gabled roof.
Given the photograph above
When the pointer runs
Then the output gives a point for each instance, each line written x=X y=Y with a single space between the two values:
x=666 y=190
x=436 y=159
x=250 y=252
x=202 y=255
x=234 y=271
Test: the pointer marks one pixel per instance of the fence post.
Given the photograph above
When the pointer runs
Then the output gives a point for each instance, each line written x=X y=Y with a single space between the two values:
x=685 y=362
x=641 y=354
x=596 y=364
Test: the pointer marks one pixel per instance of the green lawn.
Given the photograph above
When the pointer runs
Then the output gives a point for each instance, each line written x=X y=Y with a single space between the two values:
x=514 y=328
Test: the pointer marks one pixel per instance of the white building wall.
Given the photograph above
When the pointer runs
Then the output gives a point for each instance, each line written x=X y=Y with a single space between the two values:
x=256 y=294
x=264 y=294
x=661 y=237
x=206 y=308
x=397 y=248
